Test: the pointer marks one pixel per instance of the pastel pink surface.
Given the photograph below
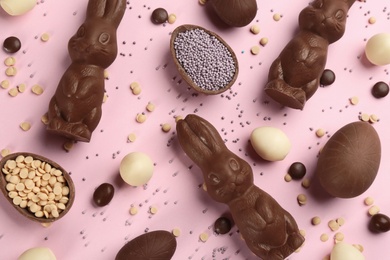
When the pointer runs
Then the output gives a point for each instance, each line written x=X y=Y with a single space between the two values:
x=88 y=232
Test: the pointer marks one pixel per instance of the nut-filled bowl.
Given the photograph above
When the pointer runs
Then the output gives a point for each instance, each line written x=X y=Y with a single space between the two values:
x=203 y=59
x=37 y=187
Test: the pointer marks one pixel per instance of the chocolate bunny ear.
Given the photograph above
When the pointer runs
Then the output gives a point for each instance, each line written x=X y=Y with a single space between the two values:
x=199 y=139
x=350 y=3
x=112 y=10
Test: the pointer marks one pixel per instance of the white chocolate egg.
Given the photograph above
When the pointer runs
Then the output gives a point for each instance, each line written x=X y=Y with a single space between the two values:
x=136 y=168
x=37 y=253
x=271 y=143
x=344 y=251
x=17 y=7
x=378 y=49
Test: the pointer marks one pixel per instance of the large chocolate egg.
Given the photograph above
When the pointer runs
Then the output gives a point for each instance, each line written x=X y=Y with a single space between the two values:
x=349 y=162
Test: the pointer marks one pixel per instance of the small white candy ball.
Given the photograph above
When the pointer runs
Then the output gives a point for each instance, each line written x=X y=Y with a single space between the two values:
x=378 y=49
x=344 y=251
x=271 y=143
x=37 y=253
x=136 y=168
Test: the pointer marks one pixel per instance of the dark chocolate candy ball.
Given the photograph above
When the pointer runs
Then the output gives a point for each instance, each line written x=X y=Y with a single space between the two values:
x=380 y=89
x=222 y=225
x=327 y=78
x=12 y=44
x=103 y=194
x=297 y=170
x=379 y=223
x=159 y=16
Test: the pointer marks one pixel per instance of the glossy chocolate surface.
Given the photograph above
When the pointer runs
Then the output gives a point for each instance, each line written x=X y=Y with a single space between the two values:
x=12 y=44
x=327 y=78
x=379 y=223
x=222 y=225
x=294 y=76
x=349 y=161
x=103 y=194
x=297 y=170
x=269 y=231
x=159 y=15
x=159 y=244
x=380 y=89
x=236 y=13
x=75 y=109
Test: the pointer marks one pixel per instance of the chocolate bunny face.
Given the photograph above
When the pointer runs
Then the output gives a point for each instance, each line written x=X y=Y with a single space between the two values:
x=326 y=18
x=225 y=174
x=228 y=181
x=95 y=41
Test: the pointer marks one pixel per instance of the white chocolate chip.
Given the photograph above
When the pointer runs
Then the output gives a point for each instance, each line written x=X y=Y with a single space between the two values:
x=37 y=89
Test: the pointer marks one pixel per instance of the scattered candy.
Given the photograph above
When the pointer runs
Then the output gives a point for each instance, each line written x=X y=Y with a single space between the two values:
x=103 y=194
x=204 y=237
x=136 y=168
x=297 y=170
x=17 y=7
x=271 y=143
x=45 y=37
x=37 y=89
x=159 y=16
x=263 y=41
x=255 y=29
x=171 y=18
x=12 y=44
x=379 y=223
x=378 y=49
x=222 y=225
x=344 y=251
x=37 y=253
x=380 y=89
x=316 y=220
x=327 y=78
x=25 y=126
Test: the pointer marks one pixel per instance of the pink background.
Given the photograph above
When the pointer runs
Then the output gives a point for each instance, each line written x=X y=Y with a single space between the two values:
x=88 y=232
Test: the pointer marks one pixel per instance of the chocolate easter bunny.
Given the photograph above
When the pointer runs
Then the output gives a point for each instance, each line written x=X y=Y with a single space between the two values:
x=294 y=76
x=75 y=109
x=269 y=231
